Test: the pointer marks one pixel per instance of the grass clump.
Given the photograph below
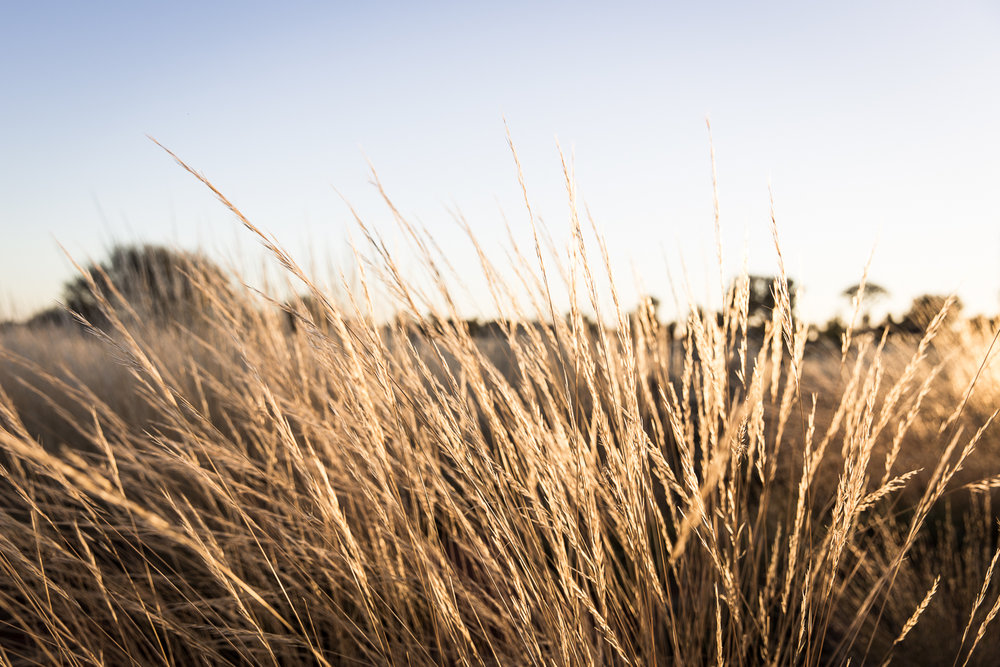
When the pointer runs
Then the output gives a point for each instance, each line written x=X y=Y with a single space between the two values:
x=233 y=489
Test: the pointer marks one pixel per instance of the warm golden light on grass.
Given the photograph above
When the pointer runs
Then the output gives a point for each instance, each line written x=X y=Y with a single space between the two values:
x=272 y=483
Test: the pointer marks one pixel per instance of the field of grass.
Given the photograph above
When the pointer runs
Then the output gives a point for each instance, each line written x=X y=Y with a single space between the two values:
x=303 y=484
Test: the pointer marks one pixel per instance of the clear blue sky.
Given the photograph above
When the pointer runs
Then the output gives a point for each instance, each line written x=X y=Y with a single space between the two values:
x=874 y=122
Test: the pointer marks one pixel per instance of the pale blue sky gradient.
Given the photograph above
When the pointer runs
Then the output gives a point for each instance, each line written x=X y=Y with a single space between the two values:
x=872 y=121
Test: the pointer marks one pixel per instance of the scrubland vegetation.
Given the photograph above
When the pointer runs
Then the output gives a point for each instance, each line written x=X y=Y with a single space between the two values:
x=202 y=475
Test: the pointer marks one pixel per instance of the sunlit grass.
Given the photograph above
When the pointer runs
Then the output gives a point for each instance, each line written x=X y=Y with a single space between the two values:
x=303 y=483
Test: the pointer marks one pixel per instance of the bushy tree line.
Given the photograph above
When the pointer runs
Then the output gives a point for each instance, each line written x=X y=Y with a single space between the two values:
x=160 y=284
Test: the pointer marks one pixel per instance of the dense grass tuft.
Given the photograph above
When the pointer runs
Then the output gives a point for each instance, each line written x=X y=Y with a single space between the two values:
x=305 y=484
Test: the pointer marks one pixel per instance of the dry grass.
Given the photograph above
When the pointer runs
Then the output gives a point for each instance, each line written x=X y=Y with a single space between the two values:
x=350 y=492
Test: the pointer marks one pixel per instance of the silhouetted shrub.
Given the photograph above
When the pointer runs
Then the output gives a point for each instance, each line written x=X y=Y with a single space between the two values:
x=156 y=283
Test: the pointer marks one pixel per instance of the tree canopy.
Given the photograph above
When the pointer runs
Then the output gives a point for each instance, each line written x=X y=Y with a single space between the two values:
x=924 y=308
x=156 y=282
x=762 y=302
x=873 y=291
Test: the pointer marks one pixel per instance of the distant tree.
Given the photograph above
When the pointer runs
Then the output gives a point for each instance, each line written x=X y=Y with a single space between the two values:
x=159 y=283
x=925 y=308
x=873 y=292
x=762 y=302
